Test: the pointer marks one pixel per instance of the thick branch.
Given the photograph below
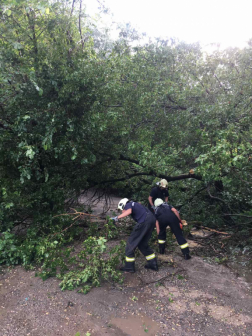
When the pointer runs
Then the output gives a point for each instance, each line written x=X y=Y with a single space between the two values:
x=180 y=177
x=212 y=230
x=168 y=178
x=72 y=7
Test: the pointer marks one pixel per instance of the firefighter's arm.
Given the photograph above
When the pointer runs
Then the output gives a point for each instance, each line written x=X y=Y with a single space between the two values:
x=176 y=213
x=166 y=199
x=150 y=201
x=157 y=227
x=125 y=213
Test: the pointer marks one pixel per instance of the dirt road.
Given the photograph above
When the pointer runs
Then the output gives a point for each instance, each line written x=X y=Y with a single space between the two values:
x=183 y=298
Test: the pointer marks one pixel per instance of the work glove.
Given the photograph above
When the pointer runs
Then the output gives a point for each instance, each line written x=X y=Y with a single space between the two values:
x=182 y=224
x=153 y=207
x=114 y=219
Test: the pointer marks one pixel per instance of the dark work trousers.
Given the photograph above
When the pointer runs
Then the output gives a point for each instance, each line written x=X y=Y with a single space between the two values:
x=168 y=218
x=140 y=237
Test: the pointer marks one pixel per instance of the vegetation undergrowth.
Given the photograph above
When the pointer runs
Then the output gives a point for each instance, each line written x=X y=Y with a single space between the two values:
x=94 y=263
x=55 y=255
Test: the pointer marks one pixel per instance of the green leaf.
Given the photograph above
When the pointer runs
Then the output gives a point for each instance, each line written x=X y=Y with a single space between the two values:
x=9 y=205
x=17 y=45
x=30 y=153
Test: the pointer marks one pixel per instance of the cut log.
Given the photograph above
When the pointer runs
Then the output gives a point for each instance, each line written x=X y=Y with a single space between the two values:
x=212 y=230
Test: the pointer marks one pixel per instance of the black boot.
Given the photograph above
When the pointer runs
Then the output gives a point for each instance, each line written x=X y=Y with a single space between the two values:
x=128 y=267
x=187 y=256
x=161 y=248
x=152 y=264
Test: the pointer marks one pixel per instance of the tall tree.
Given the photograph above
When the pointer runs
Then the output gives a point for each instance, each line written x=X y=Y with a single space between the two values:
x=79 y=110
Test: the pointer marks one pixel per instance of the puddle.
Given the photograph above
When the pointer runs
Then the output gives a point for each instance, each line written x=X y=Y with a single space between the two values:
x=136 y=325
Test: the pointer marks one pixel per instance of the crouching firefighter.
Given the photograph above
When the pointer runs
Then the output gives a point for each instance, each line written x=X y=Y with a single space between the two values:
x=167 y=215
x=140 y=236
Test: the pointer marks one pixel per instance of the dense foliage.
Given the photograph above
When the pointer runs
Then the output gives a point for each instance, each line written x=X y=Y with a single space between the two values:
x=78 y=111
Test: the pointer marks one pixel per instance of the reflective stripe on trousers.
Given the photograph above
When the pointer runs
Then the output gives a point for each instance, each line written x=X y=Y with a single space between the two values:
x=151 y=256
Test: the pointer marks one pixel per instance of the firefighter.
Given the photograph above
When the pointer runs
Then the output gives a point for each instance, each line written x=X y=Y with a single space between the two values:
x=160 y=191
x=140 y=236
x=167 y=215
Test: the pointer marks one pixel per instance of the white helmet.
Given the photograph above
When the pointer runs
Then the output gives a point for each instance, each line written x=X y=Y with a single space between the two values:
x=163 y=183
x=158 y=202
x=122 y=203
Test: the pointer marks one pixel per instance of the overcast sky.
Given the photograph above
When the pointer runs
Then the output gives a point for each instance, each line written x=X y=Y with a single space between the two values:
x=228 y=22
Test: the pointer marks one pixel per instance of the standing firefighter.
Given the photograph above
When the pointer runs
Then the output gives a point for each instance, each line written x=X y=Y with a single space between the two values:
x=160 y=191
x=167 y=215
x=140 y=235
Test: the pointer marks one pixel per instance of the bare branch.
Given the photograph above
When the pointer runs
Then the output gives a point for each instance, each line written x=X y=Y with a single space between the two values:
x=221 y=85
x=79 y=214
x=190 y=199
x=240 y=177
x=212 y=230
x=217 y=198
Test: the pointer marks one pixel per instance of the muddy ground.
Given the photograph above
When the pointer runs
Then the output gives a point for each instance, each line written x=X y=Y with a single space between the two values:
x=184 y=298
x=190 y=297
